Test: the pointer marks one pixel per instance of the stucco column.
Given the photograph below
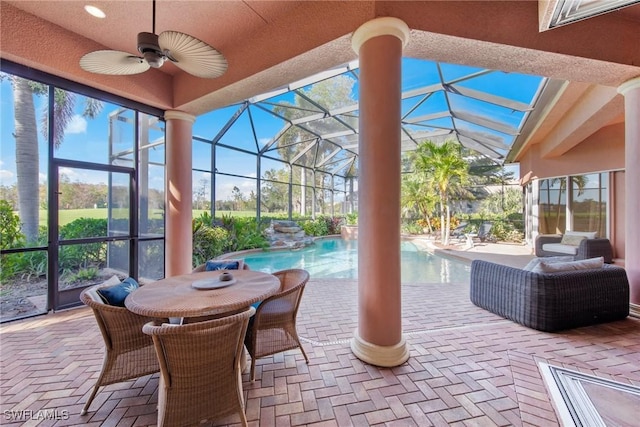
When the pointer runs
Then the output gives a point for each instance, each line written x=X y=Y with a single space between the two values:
x=631 y=92
x=378 y=339
x=178 y=190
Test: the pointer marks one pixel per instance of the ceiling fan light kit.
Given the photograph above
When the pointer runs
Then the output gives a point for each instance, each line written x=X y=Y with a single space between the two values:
x=186 y=52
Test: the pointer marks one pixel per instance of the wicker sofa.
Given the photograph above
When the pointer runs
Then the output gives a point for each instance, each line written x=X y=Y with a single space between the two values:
x=588 y=248
x=551 y=301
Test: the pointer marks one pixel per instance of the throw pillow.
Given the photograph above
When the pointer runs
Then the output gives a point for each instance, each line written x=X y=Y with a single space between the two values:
x=587 y=234
x=535 y=262
x=224 y=264
x=116 y=294
x=572 y=239
x=584 y=264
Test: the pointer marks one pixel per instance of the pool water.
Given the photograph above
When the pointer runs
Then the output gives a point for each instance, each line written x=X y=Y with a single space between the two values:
x=337 y=258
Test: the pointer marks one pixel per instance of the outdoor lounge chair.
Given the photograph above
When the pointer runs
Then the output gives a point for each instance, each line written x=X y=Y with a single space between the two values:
x=200 y=369
x=128 y=352
x=551 y=301
x=547 y=245
x=484 y=231
x=459 y=231
x=273 y=328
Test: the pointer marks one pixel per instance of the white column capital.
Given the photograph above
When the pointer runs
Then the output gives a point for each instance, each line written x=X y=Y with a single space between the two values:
x=179 y=115
x=630 y=85
x=387 y=26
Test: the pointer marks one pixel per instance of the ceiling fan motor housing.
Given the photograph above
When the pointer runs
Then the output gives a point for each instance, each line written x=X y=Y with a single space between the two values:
x=149 y=48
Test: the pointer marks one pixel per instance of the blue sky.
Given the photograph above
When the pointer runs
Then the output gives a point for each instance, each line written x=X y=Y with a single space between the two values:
x=86 y=139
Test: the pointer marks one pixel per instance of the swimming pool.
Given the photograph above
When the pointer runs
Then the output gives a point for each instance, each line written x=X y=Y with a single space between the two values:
x=337 y=258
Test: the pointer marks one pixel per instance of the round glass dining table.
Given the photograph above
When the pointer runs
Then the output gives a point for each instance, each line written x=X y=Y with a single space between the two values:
x=202 y=294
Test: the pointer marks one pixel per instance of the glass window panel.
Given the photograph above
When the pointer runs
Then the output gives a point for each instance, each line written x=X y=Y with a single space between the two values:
x=326 y=152
x=151 y=202
x=486 y=110
x=552 y=199
x=25 y=189
x=82 y=265
x=454 y=71
x=120 y=147
x=323 y=180
x=589 y=203
x=119 y=204
x=291 y=142
x=346 y=141
x=240 y=134
x=274 y=170
x=417 y=73
x=290 y=106
x=331 y=93
x=518 y=87
x=151 y=260
x=235 y=162
x=350 y=119
x=201 y=193
x=208 y=125
x=151 y=174
x=307 y=156
x=88 y=138
x=495 y=139
x=118 y=257
x=274 y=198
x=24 y=284
x=152 y=137
x=234 y=195
x=417 y=106
x=266 y=125
x=325 y=127
x=201 y=155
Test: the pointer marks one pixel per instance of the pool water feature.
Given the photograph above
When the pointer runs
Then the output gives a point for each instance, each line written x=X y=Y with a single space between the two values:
x=337 y=258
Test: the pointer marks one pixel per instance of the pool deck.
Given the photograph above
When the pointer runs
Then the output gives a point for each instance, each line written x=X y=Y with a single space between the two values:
x=467 y=366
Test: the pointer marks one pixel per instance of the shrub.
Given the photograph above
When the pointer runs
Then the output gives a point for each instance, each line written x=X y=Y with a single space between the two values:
x=208 y=242
x=72 y=257
x=10 y=235
x=244 y=233
x=352 y=218
x=316 y=227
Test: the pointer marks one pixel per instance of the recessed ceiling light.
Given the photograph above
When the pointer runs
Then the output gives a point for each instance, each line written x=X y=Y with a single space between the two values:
x=94 y=11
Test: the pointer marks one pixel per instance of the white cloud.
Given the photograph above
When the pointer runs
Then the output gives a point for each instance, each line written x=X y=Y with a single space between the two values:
x=77 y=125
x=224 y=190
x=42 y=178
x=6 y=175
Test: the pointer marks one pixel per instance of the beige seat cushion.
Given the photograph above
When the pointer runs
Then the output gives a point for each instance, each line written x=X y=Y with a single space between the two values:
x=560 y=248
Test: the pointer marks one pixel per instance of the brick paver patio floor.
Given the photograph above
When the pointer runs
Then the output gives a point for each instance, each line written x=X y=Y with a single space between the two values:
x=468 y=367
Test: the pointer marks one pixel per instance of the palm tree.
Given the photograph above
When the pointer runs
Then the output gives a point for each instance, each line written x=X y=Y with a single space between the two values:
x=443 y=167
x=26 y=134
x=417 y=196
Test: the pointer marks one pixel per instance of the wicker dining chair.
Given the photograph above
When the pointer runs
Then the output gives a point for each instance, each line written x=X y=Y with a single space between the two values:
x=200 y=369
x=129 y=353
x=273 y=328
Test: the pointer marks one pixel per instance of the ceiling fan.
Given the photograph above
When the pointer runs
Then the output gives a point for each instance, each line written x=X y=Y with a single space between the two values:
x=186 y=52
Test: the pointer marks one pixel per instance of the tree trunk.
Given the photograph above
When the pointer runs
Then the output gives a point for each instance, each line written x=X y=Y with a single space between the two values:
x=448 y=225
x=27 y=162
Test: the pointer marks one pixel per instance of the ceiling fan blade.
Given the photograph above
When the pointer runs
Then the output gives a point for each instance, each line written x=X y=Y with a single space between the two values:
x=113 y=62
x=192 y=55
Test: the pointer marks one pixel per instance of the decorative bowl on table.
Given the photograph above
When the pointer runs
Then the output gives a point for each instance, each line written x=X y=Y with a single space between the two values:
x=222 y=281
